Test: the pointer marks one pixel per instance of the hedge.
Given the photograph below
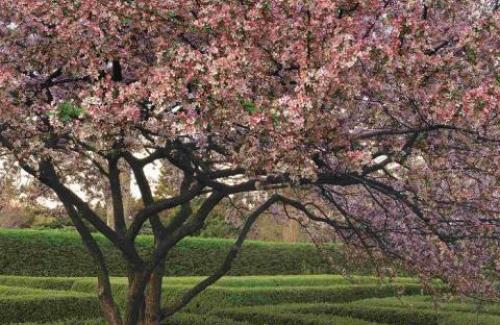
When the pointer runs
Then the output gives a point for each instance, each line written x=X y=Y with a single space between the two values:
x=41 y=282
x=178 y=319
x=61 y=253
x=70 y=321
x=222 y=297
x=211 y=299
x=373 y=314
x=388 y=314
x=289 y=281
x=426 y=302
x=195 y=319
x=48 y=307
x=270 y=315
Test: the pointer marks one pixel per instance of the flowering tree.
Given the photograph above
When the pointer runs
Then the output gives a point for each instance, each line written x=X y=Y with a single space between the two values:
x=378 y=118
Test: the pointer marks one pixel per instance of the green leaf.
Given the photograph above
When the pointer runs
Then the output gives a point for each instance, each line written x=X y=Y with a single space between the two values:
x=249 y=106
x=471 y=54
x=67 y=111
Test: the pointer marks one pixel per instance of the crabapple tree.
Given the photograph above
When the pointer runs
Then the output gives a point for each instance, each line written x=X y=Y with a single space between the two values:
x=376 y=118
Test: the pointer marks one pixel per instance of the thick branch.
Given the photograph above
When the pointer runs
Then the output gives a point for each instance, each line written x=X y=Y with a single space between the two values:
x=146 y=192
x=194 y=224
x=116 y=195
x=160 y=206
x=226 y=265
x=49 y=177
x=105 y=293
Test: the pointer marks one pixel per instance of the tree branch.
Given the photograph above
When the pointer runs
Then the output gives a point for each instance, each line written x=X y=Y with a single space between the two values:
x=225 y=266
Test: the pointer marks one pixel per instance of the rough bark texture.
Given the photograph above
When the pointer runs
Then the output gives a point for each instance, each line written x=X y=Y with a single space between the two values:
x=154 y=296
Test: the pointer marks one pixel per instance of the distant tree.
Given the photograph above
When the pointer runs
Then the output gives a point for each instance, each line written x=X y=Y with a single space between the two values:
x=376 y=118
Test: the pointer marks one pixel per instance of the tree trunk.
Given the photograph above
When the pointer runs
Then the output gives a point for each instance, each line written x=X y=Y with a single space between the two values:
x=126 y=192
x=108 y=307
x=135 y=299
x=154 y=297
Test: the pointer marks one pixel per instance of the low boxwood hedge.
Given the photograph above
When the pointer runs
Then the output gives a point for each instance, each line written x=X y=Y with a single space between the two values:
x=369 y=310
x=384 y=315
x=213 y=298
x=71 y=321
x=221 y=297
x=427 y=303
x=469 y=319
x=48 y=307
x=270 y=315
x=202 y=319
x=178 y=319
x=61 y=254
x=69 y=283
x=226 y=297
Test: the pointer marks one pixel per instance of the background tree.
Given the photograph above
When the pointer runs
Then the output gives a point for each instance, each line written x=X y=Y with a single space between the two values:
x=376 y=118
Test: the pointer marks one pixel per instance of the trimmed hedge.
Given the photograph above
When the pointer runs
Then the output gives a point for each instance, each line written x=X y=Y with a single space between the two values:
x=195 y=319
x=426 y=303
x=71 y=321
x=388 y=314
x=384 y=315
x=178 y=319
x=61 y=253
x=221 y=297
x=48 y=307
x=469 y=319
x=270 y=315
x=218 y=297
x=289 y=281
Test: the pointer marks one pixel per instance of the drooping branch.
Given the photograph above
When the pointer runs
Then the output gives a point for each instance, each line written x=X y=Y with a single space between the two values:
x=430 y=128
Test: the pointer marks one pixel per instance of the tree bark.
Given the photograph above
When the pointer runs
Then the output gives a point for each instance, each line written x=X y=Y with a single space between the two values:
x=117 y=195
x=135 y=299
x=108 y=306
x=154 y=296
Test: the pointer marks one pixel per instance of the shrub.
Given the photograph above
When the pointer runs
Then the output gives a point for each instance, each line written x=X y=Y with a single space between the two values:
x=290 y=281
x=426 y=302
x=195 y=319
x=71 y=321
x=232 y=292
x=469 y=319
x=375 y=314
x=370 y=310
x=40 y=282
x=61 y=253
x=271 y=315
x=48 y=307
x=220 y=297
